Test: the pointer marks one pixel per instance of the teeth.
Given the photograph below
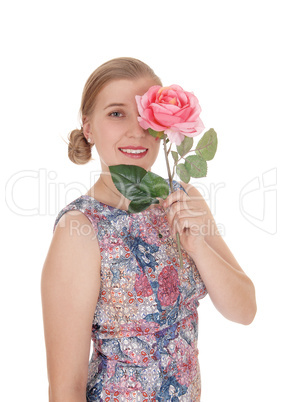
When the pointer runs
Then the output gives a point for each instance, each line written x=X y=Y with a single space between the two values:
x=133 y=151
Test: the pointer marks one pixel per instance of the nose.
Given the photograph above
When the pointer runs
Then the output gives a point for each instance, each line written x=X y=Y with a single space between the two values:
x=135 y=130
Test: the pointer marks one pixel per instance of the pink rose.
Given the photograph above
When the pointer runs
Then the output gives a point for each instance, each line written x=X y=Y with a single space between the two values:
x=172 y=110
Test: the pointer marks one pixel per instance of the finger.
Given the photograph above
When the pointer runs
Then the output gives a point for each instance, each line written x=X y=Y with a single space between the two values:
x=180 y=226
x=176 y=196
x=182 y=209
x=161 y=201
x=186 y=225
x=188 y=213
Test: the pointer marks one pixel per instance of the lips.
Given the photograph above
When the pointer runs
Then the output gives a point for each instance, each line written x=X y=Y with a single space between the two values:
x=134 y=152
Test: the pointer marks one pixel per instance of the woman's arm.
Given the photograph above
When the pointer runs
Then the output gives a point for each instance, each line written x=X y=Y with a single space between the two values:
x=70 y=289
x=230 y=289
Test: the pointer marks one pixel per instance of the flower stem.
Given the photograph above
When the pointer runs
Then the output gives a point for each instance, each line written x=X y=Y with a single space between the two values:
x=167 y=164
x=171 y=189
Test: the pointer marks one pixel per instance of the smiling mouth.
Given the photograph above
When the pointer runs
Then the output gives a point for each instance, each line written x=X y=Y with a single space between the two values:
x=134 y=152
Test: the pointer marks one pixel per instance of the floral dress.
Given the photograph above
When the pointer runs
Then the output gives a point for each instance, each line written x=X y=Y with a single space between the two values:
x=145 y=326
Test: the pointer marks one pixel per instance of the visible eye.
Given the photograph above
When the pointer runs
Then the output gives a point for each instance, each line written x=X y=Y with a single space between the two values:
x=116 y=114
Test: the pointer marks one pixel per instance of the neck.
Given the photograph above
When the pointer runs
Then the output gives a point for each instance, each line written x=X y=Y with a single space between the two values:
x=105 y=191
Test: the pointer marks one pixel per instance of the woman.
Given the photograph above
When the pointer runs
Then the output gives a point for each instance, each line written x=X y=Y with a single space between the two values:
x=122 y=269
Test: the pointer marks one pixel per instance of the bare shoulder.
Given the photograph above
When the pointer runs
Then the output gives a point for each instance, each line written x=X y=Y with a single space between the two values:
x=76 y=223
x=74 y=226
x=74 y=241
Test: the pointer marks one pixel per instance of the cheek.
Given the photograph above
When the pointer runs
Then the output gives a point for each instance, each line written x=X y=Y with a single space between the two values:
x=156 y=147
x=104 y=147
x=103 y=137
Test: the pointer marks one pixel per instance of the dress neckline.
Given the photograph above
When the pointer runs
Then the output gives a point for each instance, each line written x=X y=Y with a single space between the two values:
x=118 y=209
x=103 y=203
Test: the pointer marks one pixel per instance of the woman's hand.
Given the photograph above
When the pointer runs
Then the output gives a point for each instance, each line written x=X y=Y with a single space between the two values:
x=230 y=289
x=190 y=216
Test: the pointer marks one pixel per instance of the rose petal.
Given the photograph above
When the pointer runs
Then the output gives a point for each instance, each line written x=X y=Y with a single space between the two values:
x=177 y=88
x=143 y=123
x=190 y=129
x=165 y=109
x=174 y=136
x=140 y=108
x=150 y=95
x=148 y=121
x=188 y=113
x=184 y=98
x=167 y=120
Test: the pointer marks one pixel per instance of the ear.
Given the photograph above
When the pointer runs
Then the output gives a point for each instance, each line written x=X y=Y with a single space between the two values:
x=86 y=127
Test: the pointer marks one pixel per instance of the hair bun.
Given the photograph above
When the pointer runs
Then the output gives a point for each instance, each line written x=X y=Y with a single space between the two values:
x=79 y=150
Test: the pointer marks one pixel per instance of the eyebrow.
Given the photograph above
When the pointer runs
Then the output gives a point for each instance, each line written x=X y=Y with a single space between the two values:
x=114 y=104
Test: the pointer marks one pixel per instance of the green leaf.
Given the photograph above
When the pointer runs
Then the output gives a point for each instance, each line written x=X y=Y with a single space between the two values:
x=183 y=172
x=157 y=134
x=196 y=165
x=185 y=146
x=132 y=173
x=175 y=156
x=139 y=186
x=140 y=205
x=126 y=178
x=154 y=185
x=206 y=147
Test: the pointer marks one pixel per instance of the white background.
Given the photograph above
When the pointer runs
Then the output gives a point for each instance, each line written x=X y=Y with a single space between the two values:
x=229 y=55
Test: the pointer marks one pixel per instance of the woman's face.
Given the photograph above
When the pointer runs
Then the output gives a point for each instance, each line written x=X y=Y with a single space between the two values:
x=114 y=128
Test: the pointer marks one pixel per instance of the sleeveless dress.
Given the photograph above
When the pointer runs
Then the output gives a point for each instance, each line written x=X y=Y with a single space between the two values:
x=145 y=326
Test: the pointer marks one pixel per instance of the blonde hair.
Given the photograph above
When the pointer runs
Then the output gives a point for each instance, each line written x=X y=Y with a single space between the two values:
x=79 y=150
